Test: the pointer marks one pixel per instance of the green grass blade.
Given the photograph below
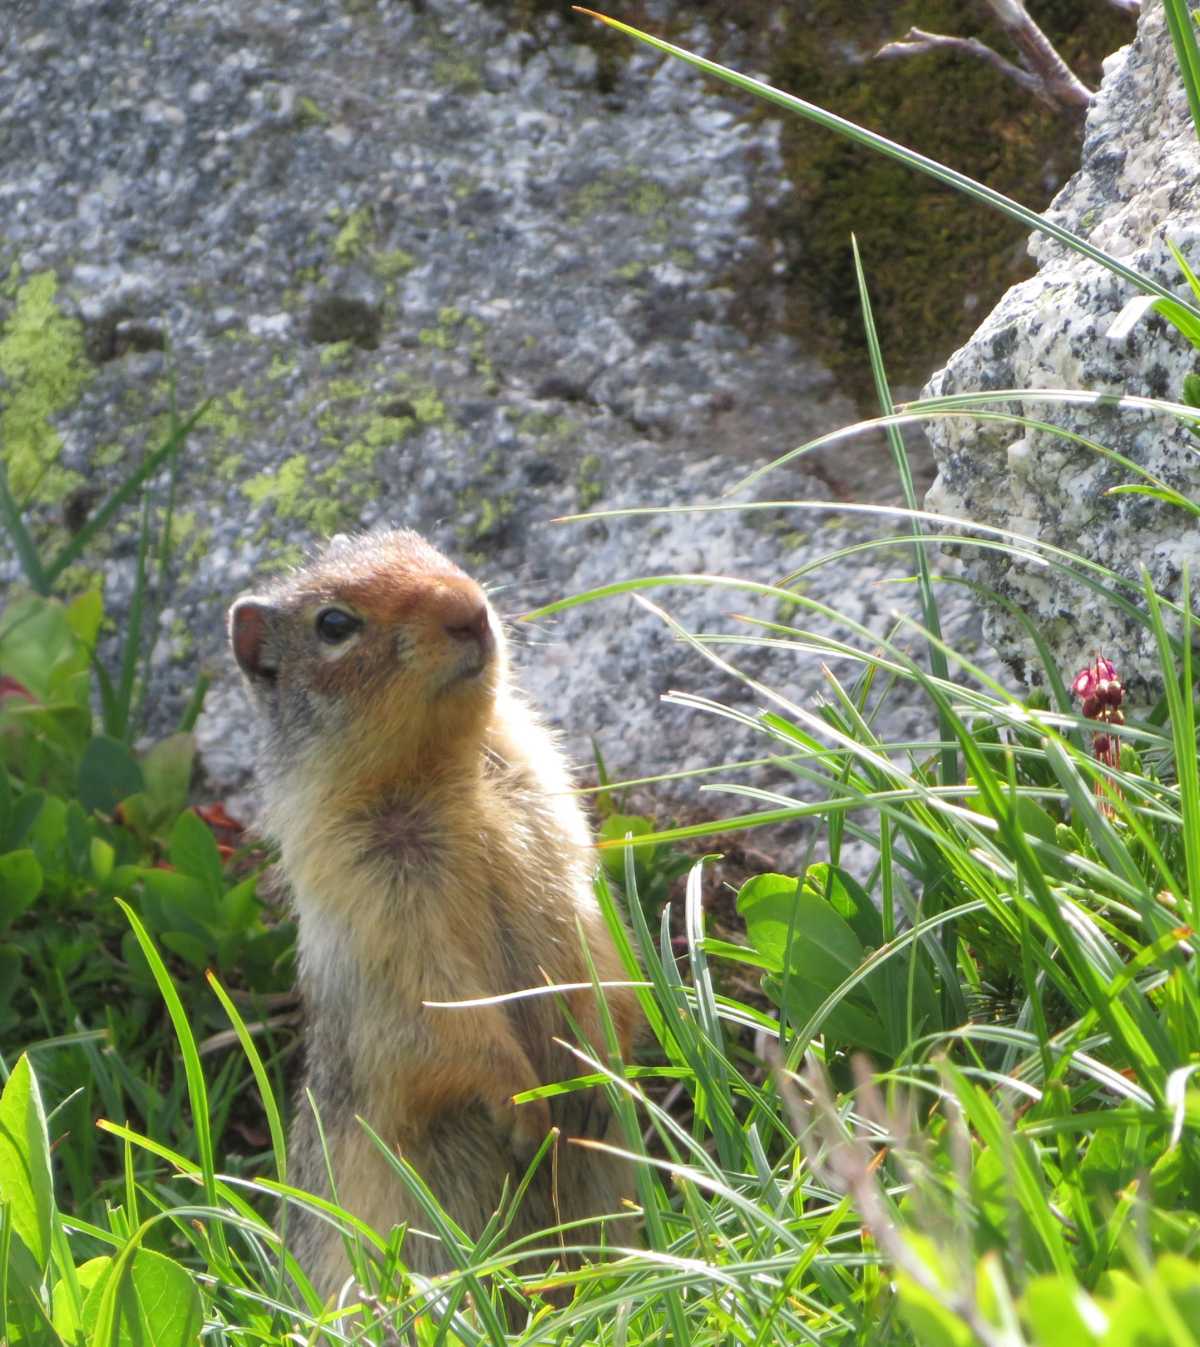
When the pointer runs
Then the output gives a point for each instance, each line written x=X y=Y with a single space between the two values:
x=1182 y=709
x=124 y=493
x=26 y=549
x=194 y=1072
x=921 y=163
x=1183 y=35
x=929 y=607
x=191 y=712
x=261 y=1079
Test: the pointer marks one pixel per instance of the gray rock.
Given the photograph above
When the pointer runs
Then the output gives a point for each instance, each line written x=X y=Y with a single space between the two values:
x=1137 y=187
x=531 y=281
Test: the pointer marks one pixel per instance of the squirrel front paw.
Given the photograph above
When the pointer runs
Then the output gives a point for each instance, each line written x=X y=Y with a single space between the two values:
x=526 y=1125
x=582 y=1113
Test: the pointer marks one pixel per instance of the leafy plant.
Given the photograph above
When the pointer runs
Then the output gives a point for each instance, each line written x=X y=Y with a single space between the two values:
x=85 y=819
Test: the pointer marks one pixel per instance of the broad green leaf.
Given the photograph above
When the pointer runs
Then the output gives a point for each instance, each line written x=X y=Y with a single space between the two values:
x=48 y=838
x=65 y=723
x=102 y=857
x=1113 y=1158
x=38 y=647
x=849 y=899
x=176 y=902
x=25 y=811
x=138 y=814
x=107 y=774
x=240 y=906
x=193 y=851
x=932 y=1323
x=20 y=884
x=765 y=904
x=79 y=835
x=84 y=615
x=1062 y=1314
x=824 y=951
x=1180 y=1278
x=25 y=1183
x=614 y=828
x=1137 y=1310
x=190 y=948
x=167 y=768
x=888 y=986
x=10 y=972
x=62 y=1309
x=143 y=1301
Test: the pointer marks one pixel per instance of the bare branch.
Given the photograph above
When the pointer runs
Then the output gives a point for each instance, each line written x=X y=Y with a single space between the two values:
x=1038 y=54
x=916 y=42
x=846 y=1162
x=1042 y=71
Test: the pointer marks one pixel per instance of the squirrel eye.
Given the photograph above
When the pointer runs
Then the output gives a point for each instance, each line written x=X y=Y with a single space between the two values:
x=335 y=626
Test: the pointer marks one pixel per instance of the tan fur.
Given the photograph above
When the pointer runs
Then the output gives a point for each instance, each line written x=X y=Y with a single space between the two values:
x=434 y=854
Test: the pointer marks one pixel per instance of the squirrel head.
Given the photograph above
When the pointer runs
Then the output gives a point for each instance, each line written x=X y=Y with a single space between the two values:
x=379 y=661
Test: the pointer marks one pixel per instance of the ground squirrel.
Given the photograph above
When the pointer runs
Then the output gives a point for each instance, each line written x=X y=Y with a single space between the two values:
x=434 y=853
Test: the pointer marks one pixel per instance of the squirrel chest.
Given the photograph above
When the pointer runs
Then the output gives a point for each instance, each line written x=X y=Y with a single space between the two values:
x=434 y=853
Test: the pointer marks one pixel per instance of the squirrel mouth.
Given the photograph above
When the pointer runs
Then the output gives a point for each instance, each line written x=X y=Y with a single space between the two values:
x=478 y=647
x=472 y=668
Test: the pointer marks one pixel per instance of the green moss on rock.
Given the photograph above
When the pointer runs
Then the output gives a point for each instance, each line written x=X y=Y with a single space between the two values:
x=44 y=370
x=935 y=261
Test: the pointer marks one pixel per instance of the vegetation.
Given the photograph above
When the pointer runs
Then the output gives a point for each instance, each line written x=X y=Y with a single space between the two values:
x=942 y=1090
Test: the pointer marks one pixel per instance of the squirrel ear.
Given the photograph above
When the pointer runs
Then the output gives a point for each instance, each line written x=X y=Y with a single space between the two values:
x=249 y=628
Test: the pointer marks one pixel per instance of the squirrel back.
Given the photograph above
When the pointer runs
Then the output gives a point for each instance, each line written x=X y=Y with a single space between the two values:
x=434 y=853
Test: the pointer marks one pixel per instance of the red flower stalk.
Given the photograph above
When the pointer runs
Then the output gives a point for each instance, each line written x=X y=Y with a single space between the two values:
x=1100 y=691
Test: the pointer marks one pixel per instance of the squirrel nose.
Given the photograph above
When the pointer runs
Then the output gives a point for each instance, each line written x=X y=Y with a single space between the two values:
x=468 y=620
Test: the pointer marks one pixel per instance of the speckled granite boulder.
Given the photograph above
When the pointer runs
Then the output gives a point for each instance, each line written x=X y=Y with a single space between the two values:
x=1138 y=186
x=434 y=271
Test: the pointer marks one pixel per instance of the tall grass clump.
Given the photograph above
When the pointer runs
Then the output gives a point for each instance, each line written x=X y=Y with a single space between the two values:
x=944 y=1091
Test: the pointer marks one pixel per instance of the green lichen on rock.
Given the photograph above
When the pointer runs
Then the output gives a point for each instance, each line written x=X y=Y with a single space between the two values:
x=287 y=489
x=485 y=525
x=280 y=556
x=458 y=72
x=44 y=369
x=337 y=353
x=589 y=485
x=308 y=113
x=445 y=336
x=357 y=427
x=355 y=235
x=227 y=417
x=392 y=263
x=480 y=356
x=627 y=189
x=12 y=280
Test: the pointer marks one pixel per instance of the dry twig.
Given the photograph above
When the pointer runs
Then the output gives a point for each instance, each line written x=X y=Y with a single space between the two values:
x=848 y=1163
x=1042 y=71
